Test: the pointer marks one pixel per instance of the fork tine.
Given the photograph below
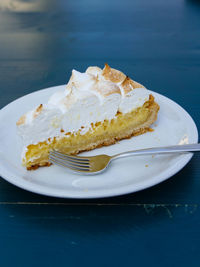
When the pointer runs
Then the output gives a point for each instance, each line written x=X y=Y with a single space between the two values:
x=82 y=165
x=68 y=166
x=76 y=158
x=75 y=170
x=63 y=157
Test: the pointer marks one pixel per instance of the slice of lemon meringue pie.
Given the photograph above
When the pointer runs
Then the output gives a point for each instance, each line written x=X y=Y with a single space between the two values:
x=97 y=108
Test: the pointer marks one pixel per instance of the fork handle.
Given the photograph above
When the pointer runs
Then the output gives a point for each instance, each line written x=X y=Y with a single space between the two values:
x=159 y=150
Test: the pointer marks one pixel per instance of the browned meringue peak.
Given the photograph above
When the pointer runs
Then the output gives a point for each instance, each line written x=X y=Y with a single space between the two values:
x=128 y=85
x=106 y=88
x=80 y=80
x=96 y=71
x=21 y=120
x=138 y=85
x=113 y=75
x=70 y=98
x=37 y=111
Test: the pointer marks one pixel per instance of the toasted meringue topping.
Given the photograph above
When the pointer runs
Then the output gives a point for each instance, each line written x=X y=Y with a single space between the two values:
x=21 y=120
x=81 y=81
x=89 y=98
x=94 y=71
x=105 y=88
x=126 y=86
x=113 y=75
x=38 y=111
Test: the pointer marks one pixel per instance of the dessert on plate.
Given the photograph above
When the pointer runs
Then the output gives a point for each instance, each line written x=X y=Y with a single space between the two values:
x=97 y=108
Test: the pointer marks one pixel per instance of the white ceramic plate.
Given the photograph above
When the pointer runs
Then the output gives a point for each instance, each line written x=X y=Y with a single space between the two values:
x=174 y=126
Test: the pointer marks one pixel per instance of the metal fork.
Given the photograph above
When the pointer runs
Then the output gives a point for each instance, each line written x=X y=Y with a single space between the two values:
x=97 y=164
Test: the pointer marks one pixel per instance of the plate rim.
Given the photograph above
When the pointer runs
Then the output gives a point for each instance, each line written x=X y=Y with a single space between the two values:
x=168 y=173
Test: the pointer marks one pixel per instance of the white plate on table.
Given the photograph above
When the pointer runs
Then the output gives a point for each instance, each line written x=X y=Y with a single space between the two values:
x=127 y=175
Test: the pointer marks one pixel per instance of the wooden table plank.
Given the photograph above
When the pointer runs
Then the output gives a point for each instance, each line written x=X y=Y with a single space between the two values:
x=100 y=236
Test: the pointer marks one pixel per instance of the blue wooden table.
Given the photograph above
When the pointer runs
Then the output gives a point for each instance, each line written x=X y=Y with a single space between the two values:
x=158 y=43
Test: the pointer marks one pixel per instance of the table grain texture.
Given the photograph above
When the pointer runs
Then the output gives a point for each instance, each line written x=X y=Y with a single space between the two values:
x=156 y=42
